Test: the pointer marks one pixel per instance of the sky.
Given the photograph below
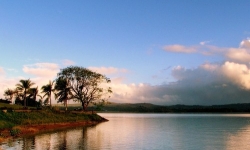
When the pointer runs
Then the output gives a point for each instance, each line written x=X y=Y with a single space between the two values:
x=163 y=52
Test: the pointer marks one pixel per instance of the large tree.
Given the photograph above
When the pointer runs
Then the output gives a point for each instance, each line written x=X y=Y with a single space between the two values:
x=63 y=91
x=48 y=89
x=24 y=86
x=86 y=86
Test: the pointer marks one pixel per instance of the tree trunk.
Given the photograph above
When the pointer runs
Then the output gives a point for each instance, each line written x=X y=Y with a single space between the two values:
x=24 y=102
x=66 y=105
x=50 y=101
x=24 y=98
x=84 y=106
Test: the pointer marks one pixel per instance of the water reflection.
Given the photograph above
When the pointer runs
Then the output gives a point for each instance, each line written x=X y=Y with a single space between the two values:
x=68 y=139
x=147 y=131
x=240 y=139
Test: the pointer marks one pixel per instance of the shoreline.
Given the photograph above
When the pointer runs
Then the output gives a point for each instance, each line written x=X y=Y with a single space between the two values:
x=29 y=130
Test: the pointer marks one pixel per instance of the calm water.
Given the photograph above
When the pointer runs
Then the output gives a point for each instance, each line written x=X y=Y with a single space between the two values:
x=148 y=132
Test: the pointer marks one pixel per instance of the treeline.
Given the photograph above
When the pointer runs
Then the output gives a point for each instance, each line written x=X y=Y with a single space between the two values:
x=146 y=107
x=72 y=83
x=6 y=101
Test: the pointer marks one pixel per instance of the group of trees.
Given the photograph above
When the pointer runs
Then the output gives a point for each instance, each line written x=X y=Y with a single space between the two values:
x=72 y=83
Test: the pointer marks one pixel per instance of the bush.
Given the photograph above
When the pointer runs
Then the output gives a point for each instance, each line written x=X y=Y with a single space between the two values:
x=14 y=132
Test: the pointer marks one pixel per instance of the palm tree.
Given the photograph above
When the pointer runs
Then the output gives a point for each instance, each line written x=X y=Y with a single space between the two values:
x=63 y=91
x=24 y=86
x=47 y=90
x=18 y=95
x=31 y=98
x=33 y=93
x=9 y=93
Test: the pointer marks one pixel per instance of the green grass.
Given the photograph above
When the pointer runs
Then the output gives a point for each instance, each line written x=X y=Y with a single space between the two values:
x=10 y=106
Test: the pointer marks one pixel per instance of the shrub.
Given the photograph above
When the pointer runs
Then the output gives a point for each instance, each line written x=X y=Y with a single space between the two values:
x=14 y=132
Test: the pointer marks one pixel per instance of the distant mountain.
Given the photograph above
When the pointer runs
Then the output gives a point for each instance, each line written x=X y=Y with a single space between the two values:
x=147 y=107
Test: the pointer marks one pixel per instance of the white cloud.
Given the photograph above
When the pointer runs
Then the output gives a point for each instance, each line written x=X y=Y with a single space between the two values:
x=108 y=70
x=201 y=49
x=241 y=55
x=137 y=93
x=245 y=44
x=209 y=66
x=237 y=73
x=180 y=49
x=118 y=80
x=42 y=70
x=204 y=42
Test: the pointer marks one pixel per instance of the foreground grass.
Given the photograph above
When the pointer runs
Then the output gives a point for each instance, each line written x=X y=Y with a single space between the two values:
x=11 y=106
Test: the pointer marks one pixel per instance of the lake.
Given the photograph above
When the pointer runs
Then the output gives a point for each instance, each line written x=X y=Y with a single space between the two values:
x=129 y=131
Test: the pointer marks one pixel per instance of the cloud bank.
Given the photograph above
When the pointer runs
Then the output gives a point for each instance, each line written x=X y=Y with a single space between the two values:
x=208 y=84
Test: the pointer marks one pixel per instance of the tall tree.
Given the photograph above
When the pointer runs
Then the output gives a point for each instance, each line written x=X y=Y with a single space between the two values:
x=63 y=91
x=24 y=86
x=9 y=93
x=86 y=86
x=48 y=89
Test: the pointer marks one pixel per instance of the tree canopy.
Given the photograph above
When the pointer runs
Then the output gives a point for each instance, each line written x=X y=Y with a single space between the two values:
x=85 y=85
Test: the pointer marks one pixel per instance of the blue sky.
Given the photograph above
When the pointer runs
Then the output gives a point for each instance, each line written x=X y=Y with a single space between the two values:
x=140 y=44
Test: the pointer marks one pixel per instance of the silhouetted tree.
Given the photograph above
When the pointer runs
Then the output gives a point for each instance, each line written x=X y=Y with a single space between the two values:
x=24 y=86
x=48 y=90
x=62 y=91
x=86 y=86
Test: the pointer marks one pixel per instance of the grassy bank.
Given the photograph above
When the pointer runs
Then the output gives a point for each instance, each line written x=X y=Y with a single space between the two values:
x=11 y=119
x=16 y=122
